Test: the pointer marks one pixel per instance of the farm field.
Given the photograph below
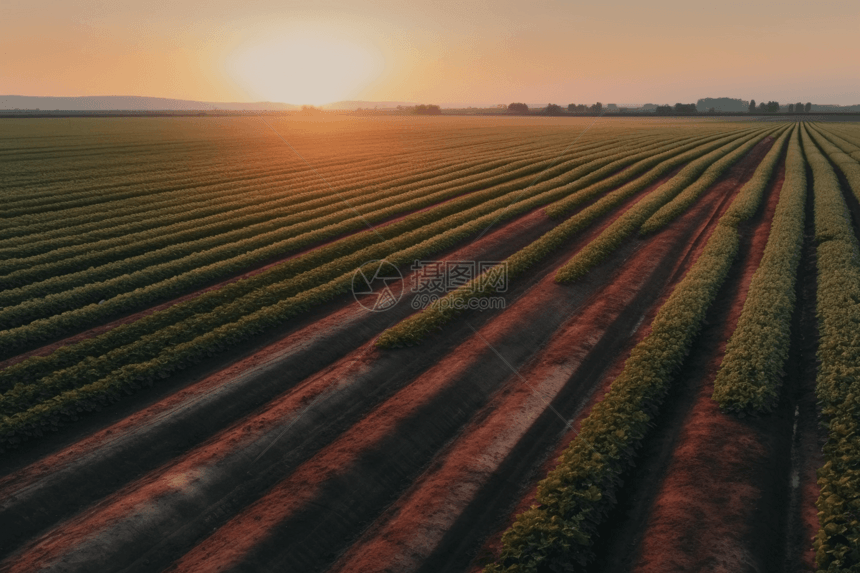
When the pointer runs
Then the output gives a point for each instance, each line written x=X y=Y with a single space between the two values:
x=218 y=352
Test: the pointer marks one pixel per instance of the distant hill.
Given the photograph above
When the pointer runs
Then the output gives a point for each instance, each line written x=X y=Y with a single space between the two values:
x=722 y=104
x=130 y=103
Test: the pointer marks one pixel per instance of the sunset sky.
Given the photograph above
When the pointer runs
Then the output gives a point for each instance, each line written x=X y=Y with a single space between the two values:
x=458 y=51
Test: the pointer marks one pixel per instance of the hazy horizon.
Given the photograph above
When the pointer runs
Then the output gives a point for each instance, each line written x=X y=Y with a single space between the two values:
x=181 y=104
x=451 y=52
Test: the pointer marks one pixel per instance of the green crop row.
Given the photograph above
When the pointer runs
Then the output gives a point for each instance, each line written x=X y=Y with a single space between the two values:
x=251 y=156
x=837 y=544
x=851 y=150
x=181 y=191
x=751 y=374
x=211 y=267
x=255 y=226
x=848 y=140
x=689 y=151
x=344 y=181
x=849 y=167
x=415 y=328
x=701 y=173
x=99 y=370
x=576 y=496
x=103 y=189
x=326 y=204
x=79 y=364
x=197 y=194
x=677 y=206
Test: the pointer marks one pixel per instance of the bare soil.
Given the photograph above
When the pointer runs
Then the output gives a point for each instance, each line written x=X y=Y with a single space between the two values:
x=98 y=466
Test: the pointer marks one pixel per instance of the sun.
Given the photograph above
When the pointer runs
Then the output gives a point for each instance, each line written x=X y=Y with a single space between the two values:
x=304 y=68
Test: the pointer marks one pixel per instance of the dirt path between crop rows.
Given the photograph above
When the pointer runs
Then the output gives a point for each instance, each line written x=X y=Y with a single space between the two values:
x=126 y=318
x=725 y=189
x=81 y=465
x=327 y=445
x=382 y=457
x=87 y=471
x=710 y=493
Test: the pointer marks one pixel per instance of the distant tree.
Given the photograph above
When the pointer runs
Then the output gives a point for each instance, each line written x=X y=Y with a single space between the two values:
x=685 y=108
x=791 y=108
x=518 y=108
x=712 y=110
x=596 y=108
x=663 y=109
x=762 y=107
x=427 y=110
x=571 y=107
x=772 y=106
x=552 y=109
x=798 y=107
x=808 y=107
x=722 y=104
x=752 y=106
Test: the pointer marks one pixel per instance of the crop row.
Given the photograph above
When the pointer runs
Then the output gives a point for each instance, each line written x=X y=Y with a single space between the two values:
x=847 y=147
x=223 y=147
x=849 y=136
x=136 y=170
x=698 y=175
x=195 y=199
x=751 y=372
x=153 y=347
x=63 y=164
x=167 y=194
x=678 y=205
x=576 y=496
x=289 y=200
x=849 y=167
x=417 y=327
x=328 y=191
x=246 y=166
x=837 y=544
x=430 y=230
x=40 y=227
x=272 y=166
x=343 y=179
x=258 y=248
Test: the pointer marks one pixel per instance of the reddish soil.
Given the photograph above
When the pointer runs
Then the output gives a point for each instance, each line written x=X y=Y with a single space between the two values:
x=319 y=452
x=702 y=479
x=724 y=190
x=92 y=463
x=128 y=318
x=711 y=495
x=254 y=374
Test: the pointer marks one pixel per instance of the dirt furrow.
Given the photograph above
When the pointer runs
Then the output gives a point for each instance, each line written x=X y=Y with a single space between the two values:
x=347 y=395
x=380 y=457
x=726 y=189
x=710 y=492
x=84 y=464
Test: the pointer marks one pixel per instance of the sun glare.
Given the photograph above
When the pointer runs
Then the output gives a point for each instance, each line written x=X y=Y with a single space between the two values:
x=304 y=68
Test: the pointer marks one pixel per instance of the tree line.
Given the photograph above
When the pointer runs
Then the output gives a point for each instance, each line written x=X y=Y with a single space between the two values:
x=519 y=108
x=773 y=107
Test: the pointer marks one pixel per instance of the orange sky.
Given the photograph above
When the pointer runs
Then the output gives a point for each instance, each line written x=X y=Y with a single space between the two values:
x=663 y=51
